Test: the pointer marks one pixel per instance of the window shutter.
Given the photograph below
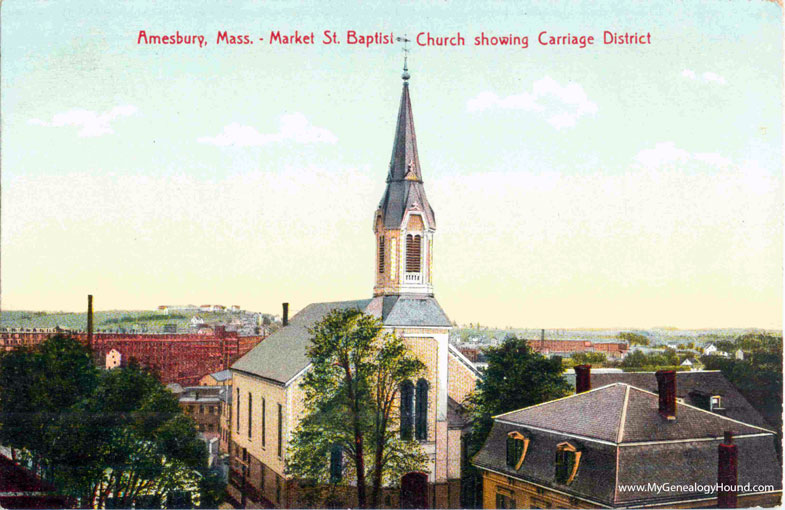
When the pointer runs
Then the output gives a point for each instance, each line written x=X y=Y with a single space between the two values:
x=407 y=409
x=381 y=254
x=413 y=248
x=421 y=422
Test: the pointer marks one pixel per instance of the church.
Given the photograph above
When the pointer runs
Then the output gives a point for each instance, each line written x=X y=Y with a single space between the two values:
x=267 y=401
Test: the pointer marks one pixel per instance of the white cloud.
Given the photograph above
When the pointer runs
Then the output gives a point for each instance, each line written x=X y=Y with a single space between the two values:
x=89 y=122
x=708 y=76
x=563 y=105
x=293 y=127
x=666 y=153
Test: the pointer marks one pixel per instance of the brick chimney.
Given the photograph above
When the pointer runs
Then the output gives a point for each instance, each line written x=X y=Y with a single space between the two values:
x=666 y=384
x=285 y=320
x=582 y=378
x=727 y=472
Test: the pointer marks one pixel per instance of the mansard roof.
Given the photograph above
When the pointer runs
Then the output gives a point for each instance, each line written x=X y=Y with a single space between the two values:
x=405 y=189
x=624 y=441
x=282 y=356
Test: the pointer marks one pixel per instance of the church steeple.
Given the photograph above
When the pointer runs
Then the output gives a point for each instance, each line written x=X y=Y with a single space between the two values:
x=404 y=222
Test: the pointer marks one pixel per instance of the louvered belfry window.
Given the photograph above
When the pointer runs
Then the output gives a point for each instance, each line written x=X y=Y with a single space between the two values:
x=381 y=254
x=413 y=249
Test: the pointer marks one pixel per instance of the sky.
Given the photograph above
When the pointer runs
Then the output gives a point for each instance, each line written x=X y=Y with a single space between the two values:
x=605 y=186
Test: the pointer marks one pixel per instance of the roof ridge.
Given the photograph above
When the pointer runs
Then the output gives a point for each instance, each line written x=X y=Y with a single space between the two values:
x=684 y=404
x=623 y=417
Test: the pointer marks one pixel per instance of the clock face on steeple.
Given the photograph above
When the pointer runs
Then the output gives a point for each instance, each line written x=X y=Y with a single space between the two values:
x=404 y=223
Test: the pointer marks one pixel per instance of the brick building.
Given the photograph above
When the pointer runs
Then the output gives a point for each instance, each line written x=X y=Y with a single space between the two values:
x=267 y=398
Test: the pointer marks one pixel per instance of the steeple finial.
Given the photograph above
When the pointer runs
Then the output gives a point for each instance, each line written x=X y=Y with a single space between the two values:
x=405 y=76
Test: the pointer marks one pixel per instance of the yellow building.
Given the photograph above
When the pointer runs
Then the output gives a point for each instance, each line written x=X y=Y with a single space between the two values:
x=267 y=398
x=618 y=446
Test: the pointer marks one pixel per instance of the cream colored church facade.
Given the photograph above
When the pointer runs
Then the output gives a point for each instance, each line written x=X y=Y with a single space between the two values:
x=267 y=398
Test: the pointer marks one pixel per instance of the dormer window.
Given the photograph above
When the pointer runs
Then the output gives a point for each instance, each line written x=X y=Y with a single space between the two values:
x=715 y=403
x=413 y=250
x=568 y=459
x=517 y=445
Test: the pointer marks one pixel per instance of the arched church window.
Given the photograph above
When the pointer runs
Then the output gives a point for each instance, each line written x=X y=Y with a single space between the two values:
x=381 y=254
x=421 y=414
x=413 y=249
x=407 y=409
x=336 y=463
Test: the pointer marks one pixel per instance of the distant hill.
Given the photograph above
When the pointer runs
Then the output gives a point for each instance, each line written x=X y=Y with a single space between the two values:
x=145 y=321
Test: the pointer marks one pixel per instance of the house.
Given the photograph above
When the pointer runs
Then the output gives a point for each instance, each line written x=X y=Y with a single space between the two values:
x=705 y=389
x=268 y=400
x=222 y=378
x=203 y=405
x=21 y=488
x=687 y=363
x=620 y=446
x=114 y=359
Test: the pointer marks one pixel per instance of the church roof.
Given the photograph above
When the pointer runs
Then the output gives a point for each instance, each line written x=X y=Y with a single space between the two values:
x=282 y=355
x=405 y=189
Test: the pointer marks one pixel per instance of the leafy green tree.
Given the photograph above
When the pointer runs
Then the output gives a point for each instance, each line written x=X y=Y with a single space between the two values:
x=117 y=433
x=516 y=377
x=589 y=358
x=351 y=393
x=634 y=338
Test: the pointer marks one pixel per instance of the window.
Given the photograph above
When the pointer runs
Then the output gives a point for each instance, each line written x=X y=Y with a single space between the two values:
x=238 y=410
x=201 y=409
x=517 y=445
x=567 y=459
x=280 y=431
x=264 y=422
x=421 y=412
x=413 y=248
x=278 y=485
x=261 y=477
x=715 y=403
x=505 y=501
x=250 y=414
x=381 y=254
x=407 y=409
x=336 y=463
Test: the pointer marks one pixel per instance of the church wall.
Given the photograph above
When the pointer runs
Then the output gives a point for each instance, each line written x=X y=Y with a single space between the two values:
x=462 y=380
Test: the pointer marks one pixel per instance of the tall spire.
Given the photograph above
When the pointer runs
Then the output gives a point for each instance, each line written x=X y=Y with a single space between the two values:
x=405 y=190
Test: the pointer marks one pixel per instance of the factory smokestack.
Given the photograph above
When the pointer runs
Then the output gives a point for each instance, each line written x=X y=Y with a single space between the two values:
x=90 y=320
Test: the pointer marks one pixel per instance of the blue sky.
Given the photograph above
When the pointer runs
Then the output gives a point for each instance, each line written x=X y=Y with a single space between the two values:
x=604 y=186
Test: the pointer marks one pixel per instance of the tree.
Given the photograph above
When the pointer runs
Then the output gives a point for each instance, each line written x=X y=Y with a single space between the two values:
x=589 y=358
x=516 y=377
x=634 y=338
x=351 y=392
x=94 y=434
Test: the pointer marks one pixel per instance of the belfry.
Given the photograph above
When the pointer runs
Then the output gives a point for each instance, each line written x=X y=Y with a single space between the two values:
x=404 y=222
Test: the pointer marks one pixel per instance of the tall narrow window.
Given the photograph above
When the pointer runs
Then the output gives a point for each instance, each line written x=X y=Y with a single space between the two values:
x=407 y=409
x=413 y=248
x=264 y=422
x=336 y=463
x=250 y=414
x=381 y=254
x=280 y=431
x=237 y=406
x=421 y=412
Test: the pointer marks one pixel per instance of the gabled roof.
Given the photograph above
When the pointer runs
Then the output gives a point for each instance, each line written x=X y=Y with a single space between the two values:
x=282 y=355
x=223 y=375
x=692 y=387
x=624 y=441
x=404 y=190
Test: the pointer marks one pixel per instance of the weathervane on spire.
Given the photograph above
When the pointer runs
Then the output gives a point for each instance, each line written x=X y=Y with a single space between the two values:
x=405 y=42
